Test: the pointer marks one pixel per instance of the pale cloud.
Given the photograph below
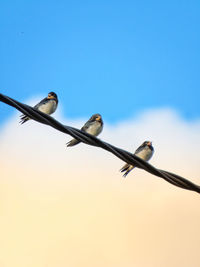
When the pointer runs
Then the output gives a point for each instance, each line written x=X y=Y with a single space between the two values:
x=71 y=207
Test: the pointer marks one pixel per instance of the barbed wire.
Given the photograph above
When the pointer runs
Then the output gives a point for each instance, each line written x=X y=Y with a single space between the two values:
x=93 y=141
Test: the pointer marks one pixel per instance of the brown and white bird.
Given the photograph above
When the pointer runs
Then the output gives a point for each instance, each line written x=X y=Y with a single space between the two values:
x=93 y=126
x=47 y=105
x=145 y=152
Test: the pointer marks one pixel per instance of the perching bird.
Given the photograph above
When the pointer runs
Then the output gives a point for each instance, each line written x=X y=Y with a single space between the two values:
x=93 y=126
x=47 y=105
x=145 y=152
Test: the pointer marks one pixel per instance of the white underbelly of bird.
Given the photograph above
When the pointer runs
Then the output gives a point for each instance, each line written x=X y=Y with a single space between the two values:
x=94 y=129
x=145 y=154
x=48 y=108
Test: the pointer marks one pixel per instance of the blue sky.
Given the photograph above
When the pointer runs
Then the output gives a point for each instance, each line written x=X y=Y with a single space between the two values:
x=116 y=58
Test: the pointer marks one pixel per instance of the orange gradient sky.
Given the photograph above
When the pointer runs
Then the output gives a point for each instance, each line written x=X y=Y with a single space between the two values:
x=71 y=207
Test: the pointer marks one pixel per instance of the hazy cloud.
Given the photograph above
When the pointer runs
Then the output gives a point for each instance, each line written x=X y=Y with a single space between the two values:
x=71 y=207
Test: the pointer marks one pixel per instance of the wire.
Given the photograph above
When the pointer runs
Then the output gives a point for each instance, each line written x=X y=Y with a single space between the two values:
x=93 y=141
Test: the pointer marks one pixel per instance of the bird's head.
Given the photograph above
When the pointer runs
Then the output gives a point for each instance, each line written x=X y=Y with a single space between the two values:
x=97 y=117
x=52 y=95
x=148 y=143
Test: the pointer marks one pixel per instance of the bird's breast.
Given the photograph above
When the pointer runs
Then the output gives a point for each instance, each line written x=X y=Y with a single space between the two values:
x=48 y=107
x=145 y=154
x=95 y=128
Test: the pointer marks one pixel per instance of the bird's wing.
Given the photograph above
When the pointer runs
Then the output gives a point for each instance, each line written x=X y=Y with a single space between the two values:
x=138 y=150
x=43 y=101
x=86 y=126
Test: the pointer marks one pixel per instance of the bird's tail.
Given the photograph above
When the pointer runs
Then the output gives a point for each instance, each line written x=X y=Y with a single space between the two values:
x=23 y=119
x=127 y=168
x=73 y=142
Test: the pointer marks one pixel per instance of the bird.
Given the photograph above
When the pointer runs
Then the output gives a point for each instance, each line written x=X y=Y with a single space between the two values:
x=47 y=105
x=145 y=152
x=93 y=126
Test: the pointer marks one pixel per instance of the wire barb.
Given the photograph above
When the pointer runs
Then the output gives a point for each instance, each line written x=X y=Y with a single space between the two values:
x=94 y=141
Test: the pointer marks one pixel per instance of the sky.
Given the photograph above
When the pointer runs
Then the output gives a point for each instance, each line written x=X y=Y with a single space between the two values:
x=134 y=62
x=102 y=55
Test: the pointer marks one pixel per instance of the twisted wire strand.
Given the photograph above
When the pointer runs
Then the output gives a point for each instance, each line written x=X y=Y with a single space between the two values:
x=88 y=139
